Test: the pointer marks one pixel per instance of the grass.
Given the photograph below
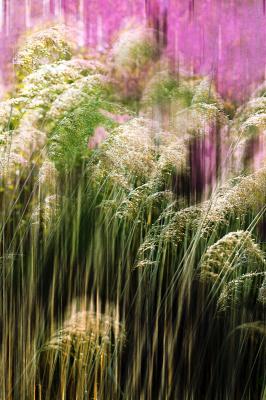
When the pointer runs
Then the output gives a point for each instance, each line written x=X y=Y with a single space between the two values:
x=123 y=276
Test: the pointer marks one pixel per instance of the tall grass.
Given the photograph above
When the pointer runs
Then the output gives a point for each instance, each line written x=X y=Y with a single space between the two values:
x=125 y=273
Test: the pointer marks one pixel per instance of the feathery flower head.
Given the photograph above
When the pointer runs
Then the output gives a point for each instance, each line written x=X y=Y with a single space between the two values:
x=18 y=148
x=170 y=227
x=199 y=119
x=75 y=95
x=140 y=151
x=205 y=92
x=130 y=150
x=43 y=47
x=59 y=73
x=231 y=253
x=87 y=348
x=9 y=115
x=262 y=293
x=236 y=199
x=241 y=292
x=240 y=196
x=255 y=124
x=86 y=334
x=48 y=176
x=256 y=105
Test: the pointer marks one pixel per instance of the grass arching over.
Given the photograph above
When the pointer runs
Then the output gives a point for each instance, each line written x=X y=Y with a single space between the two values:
x=114 y=283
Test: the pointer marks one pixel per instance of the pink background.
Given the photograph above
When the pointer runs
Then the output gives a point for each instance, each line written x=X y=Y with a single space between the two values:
x=223 y=38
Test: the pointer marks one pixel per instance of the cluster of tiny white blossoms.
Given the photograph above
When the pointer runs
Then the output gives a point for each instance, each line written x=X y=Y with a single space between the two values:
x=205 y=92
x=130 y=150
x=84 y=333
x=262 y=292
x=18 y=149
x=245 y=196
x=8 y=115
x=46 y=211
x=47 y=177
x=41 y=88
x=228 y=255
x=255 y=105
x=199 y=119
x=250 y=119
x=241 y=292
x=254 y=124
x=43 y=47
x=42 y=82
x=75 y=95
x=139 y=150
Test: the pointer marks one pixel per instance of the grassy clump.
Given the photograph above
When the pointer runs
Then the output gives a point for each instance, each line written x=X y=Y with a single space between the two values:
x=118 y=281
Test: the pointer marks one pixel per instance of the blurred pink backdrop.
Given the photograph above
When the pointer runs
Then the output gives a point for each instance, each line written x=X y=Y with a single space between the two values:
x=223 y=38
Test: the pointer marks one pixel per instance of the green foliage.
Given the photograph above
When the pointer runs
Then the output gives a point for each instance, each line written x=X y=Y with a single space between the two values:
x=43 y=47
x=80 y=213
x=68 y=142
x=234 y=254
x=165 y=87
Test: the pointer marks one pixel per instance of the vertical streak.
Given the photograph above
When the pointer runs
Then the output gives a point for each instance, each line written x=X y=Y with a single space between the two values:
x=28 y=13
x=220 y=43
x=57 y=7
x=6 y=16
x=1 y=15
x=100 y=43
x=46 y=7
x=80 y=18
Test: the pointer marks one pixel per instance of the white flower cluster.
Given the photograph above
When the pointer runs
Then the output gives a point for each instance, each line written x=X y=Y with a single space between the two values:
x=8 y=115
x=46 y=46
x=75 y=94
x=254 y=124
x=205 y=92
x=130 y=150
x=86 y=333
x=256 y=105
x=199 y=119
x=228 y=255
x=243 y=291
x=46 y=211
x=250 y=119
x=18 y=148
x=247 y=195
x=48 y=176
x=139 y=150
x=62 y=72
x=62 y=85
